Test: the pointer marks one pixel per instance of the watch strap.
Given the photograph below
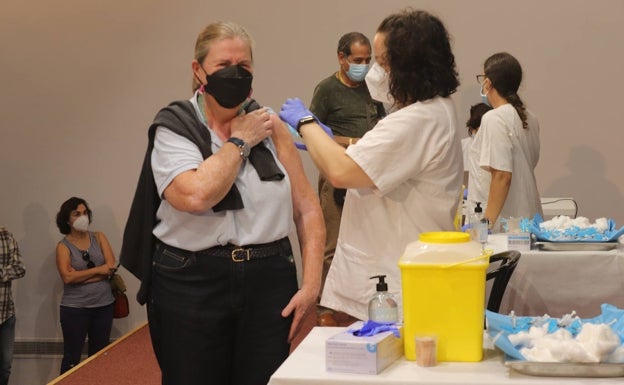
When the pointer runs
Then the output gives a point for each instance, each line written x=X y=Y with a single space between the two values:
x=305 y=120
x=242 y=146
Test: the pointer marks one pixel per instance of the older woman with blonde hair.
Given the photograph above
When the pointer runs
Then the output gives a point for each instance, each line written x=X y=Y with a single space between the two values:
x=222 y=294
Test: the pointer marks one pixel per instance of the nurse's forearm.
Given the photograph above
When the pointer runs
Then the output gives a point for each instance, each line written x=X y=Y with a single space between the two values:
x=323 y=150
x=499 y=189
x=331 y=159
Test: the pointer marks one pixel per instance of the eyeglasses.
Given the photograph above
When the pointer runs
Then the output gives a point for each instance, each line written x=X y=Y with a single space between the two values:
x=87 y=257
x=480 y=78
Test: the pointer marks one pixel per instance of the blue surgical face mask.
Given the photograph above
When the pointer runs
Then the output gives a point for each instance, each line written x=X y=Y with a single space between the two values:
x=357 y=72
x=484 y=97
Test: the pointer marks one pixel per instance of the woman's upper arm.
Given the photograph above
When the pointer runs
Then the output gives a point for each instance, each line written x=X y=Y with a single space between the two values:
x=174 y=161
x=107 y=250
x=349 y=174
x=63 y=260
x=290 y=159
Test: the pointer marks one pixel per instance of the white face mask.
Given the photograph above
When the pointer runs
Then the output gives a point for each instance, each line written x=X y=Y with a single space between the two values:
x=378 y=85
x=81 y=223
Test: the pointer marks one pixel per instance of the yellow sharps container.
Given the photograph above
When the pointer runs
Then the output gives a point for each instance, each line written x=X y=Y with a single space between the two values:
x=443 y=291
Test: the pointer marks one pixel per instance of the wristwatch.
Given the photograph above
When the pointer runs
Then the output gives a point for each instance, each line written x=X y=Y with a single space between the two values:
x=242 y=146
x=305 y=120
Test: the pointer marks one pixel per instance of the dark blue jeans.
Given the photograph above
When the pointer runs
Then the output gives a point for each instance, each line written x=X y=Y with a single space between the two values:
x=78 y=323
x=216 y=321
x=7 y=338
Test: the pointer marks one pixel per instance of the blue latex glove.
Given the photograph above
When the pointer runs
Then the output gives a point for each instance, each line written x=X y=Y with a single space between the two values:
x=370 y=328
x=294 y=110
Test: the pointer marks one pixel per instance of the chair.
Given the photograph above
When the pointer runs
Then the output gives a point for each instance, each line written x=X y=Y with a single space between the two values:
x=504 y=265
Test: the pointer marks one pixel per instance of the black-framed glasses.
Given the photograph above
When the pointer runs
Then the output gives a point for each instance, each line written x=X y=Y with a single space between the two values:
x=480 y=78
x=87 y=257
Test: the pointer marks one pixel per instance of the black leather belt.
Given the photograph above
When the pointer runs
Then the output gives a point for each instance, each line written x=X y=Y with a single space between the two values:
x=281 y=247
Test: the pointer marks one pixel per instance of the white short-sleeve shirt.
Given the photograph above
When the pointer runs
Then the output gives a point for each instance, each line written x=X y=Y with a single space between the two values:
x=414 y=158
x=266 y=216
x=503 y=144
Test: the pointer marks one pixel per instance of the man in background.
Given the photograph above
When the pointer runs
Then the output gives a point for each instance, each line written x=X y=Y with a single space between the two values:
x=343 y=103
x=11 y=267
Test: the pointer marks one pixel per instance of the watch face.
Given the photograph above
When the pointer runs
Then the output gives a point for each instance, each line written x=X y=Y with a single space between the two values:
x=305 y=120
x=243 y=146
x=245 y=150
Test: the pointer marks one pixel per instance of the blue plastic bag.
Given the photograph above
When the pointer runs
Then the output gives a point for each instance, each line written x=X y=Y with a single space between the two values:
x=574 y=234
x=500 y=326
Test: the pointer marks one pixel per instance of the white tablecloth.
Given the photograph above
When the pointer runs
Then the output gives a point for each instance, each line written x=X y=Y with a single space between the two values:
x=557 y=282
x=306 y=366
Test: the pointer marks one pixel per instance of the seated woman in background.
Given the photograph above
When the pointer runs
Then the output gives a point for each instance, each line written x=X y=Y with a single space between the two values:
x=85 y=262
x=505 y=151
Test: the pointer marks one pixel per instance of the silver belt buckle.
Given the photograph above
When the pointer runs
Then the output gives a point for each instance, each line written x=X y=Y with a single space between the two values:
x=246 y=254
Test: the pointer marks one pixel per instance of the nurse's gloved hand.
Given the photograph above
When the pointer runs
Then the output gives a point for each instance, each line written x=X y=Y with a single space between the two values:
x=293 y=111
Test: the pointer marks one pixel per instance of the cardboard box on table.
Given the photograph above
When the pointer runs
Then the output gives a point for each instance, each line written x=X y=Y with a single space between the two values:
x=347 y=353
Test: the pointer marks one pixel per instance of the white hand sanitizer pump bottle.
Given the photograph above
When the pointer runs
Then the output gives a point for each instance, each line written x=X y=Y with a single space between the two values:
x=476 y=217
x=382 y=307
x=479 y=225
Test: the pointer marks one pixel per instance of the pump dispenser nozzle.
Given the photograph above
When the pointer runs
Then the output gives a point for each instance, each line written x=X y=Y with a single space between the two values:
x=381 y=285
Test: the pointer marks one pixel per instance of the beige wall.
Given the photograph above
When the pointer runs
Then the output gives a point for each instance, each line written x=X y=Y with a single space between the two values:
x=81 y=81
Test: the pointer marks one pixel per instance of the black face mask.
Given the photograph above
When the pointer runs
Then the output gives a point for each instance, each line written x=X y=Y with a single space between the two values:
x=230 y=86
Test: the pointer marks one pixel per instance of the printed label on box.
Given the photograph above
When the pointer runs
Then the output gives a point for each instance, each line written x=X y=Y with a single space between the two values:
x=519 y=241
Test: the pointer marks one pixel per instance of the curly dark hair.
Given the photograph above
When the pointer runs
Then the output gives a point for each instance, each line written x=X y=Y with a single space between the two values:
x=345 y=42
x=62 y=218
x=476 y=113
x=422 y=65
x=505 y=73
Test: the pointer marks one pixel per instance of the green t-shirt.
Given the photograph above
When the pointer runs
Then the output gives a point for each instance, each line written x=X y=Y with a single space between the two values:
x=347 y=111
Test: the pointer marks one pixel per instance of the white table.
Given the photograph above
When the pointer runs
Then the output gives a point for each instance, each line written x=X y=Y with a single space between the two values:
x=306 y=366
x=557 y=282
